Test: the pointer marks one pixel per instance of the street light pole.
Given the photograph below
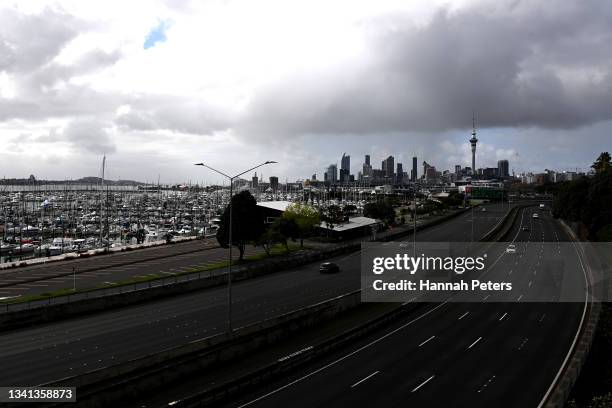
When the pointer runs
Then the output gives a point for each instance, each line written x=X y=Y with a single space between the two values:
x=414 y=227
x=231 y=208
x=231 y=261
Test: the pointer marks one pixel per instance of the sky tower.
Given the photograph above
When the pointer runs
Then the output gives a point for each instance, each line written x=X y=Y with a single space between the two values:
x=473 y=142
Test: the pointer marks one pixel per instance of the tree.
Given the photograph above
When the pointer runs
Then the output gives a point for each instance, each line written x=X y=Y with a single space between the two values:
x=305 y=217
x=270 y=236
x=382 y=210
x=350 y=209
x=247 y=224
x=603 y=163
x=288 y=229
x=587 y=200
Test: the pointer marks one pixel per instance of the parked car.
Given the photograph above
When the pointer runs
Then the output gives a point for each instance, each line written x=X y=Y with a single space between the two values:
x=329 y=267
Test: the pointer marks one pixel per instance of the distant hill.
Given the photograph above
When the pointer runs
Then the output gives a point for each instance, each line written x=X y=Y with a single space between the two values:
x=84 y=180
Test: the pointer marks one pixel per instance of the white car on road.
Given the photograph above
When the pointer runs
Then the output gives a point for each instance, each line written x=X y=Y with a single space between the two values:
x=535 y=215
x=511 y=249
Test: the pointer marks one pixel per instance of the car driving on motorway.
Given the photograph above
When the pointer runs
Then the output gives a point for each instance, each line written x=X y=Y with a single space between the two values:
x=511 y=249
x=329 y=267
x=535 y=215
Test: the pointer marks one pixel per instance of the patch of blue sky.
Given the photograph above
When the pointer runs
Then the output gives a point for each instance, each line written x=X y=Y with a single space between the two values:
x=156 y=35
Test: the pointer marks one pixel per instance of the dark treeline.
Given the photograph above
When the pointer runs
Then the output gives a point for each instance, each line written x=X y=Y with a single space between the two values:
x=588 y=200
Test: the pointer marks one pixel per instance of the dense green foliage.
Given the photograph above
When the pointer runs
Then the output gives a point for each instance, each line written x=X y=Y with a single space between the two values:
x=382 y=210
x=305 y=218
x=587 y=200
x=247 y=225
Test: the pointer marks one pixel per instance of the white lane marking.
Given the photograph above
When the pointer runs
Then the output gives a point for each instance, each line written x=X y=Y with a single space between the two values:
x=523 y=343
x=504 y=315
x=530 y=283
x=485 y=298
x=542 y=318
x=475 y=342
x=352 y=353
x=427 y=341
x=463 y=315
x=486 y=384
x=364 y=379
x=423 y=383
x=519 y=298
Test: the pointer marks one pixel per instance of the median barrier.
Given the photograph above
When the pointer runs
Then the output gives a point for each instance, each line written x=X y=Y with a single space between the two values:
x=106 y=386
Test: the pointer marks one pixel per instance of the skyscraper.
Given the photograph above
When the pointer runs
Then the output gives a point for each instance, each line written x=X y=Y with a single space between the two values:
x=345 y=164
x=414 y=175
x=367 y=159
x=399 y=173
x=388 y=166
x=473 y=142
x=503 y=168
x=331 y=174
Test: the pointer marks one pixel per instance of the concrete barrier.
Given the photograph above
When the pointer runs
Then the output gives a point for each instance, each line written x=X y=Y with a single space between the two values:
x=106 y=386
x=569 y=372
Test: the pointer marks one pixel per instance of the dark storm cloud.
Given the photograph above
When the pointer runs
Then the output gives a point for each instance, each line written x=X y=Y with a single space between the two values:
x=517 y=63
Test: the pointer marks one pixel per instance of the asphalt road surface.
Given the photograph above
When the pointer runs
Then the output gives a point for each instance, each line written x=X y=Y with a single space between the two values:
x=57 y=350
x=450 y=354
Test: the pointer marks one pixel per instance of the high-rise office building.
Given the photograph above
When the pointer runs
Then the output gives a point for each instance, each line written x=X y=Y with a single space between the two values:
x=331 y=174
x=503 y=168
x=414 y=175
x=399 y=173
x=345 y=168
x=457 y=169
x=345 y=164
x=367 y=159
x=388 y=166
x=344 y=176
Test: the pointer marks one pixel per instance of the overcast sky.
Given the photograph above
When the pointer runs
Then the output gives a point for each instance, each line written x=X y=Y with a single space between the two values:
x=160 y=85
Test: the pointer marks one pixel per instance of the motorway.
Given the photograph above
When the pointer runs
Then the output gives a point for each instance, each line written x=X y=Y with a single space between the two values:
x=449 y=354
x=104 y=271
x=57 y=350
